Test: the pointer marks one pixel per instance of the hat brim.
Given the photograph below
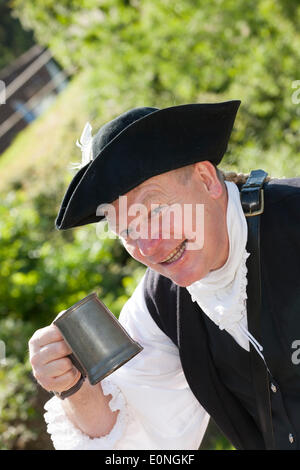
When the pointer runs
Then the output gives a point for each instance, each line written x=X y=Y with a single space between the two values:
x=162 y=141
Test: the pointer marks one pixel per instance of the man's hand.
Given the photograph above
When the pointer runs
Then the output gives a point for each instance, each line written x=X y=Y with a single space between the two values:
x=51 y=367
x=88 y=408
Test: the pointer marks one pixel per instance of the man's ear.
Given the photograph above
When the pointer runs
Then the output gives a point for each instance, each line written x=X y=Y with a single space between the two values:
x=207 y=173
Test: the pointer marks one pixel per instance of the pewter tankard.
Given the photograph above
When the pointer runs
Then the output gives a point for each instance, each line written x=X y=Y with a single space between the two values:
x=98 y=341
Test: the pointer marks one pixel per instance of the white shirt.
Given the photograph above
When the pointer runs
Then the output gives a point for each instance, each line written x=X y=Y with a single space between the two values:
x=157 y=408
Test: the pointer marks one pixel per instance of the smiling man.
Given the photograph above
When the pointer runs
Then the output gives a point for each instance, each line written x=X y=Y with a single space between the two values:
x=197 y=308
x=173 y=242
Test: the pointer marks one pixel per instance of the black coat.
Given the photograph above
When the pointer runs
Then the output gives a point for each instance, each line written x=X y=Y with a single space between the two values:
x=216 y=367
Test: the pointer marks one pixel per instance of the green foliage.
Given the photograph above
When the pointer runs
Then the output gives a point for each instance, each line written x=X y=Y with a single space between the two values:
x=13 y=39
x=214 y=439
x=16 y=405
x=166 y=53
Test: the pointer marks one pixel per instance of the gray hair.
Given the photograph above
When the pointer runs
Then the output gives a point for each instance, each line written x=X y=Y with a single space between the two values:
x=237 y=178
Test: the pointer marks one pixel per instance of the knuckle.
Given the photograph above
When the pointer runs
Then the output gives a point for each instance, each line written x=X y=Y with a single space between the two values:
x=33 y=339
x=43 y=380
x=47 y=384
x=34 y=360
x=38 y=376
x=37 y=336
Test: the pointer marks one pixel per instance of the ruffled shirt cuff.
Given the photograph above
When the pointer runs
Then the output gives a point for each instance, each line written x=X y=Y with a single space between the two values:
x=66 y=436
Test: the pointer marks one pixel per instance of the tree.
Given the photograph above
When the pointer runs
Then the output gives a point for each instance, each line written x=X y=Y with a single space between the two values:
x=14 y=40
x=163 y=53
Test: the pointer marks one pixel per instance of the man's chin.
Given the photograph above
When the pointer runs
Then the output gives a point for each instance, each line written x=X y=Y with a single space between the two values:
x=181 y=283
x=182 y=280
x=188 y=274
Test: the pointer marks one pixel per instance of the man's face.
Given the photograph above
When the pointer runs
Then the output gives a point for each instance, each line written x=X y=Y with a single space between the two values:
x=181 y=231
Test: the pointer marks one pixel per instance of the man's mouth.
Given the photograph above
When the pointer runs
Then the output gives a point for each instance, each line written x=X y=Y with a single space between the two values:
x=175 y=254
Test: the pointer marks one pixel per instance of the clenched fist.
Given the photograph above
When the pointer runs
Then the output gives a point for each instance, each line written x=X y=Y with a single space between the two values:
x=51 y=367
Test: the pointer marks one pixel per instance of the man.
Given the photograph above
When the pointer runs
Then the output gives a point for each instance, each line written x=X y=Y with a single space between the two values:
x=190 y=310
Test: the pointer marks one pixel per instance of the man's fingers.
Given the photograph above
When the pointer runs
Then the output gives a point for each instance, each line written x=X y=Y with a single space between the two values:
x=44 y=336
x=58 y=367
x=51 y=366
x=66 y=381
x=51 y=352
x=60 y=382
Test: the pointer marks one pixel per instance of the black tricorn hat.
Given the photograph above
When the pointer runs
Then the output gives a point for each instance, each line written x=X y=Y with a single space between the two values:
x=142 y=143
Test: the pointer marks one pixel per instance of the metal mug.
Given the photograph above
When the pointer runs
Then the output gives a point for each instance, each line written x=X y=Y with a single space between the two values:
x=98 y=341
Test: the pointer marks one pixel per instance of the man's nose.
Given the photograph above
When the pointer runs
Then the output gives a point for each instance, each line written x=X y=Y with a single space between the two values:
x=148 y=247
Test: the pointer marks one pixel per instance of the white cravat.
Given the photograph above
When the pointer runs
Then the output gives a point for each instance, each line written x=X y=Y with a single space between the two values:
x=222 y=293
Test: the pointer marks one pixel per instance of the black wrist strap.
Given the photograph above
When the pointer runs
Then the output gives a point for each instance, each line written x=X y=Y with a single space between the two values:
x=252 y=199
x=72 y=390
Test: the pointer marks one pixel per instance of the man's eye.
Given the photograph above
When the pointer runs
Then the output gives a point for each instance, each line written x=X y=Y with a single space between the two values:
x=125 y=233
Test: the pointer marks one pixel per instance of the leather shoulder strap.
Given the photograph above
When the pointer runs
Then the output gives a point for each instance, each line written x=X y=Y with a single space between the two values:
x=252 y=199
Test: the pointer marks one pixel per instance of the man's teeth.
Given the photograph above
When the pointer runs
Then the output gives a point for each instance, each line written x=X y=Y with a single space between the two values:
x=175 y=254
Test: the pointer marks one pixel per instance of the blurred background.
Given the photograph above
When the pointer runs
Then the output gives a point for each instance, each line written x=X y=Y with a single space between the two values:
x=64 y=63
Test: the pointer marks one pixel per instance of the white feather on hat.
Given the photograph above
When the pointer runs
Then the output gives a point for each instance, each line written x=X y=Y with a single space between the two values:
x=85 y=144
